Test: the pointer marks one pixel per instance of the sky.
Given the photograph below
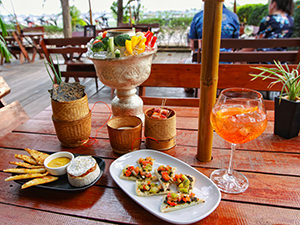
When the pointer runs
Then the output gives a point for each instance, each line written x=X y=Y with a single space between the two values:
x=40 y=7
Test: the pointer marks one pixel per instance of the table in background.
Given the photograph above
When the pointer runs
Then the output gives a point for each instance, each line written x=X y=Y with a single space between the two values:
x=271 y=164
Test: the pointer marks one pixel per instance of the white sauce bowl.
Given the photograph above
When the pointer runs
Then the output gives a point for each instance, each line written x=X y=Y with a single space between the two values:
x=57 y=171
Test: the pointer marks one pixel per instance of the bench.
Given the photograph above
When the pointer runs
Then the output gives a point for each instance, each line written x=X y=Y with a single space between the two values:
x=291 y=55
x=11 y=115
x=71 y=50
x=188 y=76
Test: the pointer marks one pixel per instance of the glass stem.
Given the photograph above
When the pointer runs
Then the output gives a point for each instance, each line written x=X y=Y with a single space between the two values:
x=229 y=171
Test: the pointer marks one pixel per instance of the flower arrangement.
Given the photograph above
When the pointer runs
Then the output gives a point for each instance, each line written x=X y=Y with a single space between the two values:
x=289 y=78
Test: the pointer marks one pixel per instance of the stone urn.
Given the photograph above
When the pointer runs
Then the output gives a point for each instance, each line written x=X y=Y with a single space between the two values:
x=125 y=74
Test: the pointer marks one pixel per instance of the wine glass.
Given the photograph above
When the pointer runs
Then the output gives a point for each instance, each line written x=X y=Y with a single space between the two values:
x=238 y=117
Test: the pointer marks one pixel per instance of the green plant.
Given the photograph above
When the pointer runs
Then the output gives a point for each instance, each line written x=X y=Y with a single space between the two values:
x=3 y=48
x=52 y=29
x=296 y=32
x=160 y=21
x=57 y=73
x=252 y=14
x=290 y=79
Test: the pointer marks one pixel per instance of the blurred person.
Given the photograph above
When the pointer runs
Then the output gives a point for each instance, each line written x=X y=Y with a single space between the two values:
x=230 y=26
x=279 y=23
x=230 y=29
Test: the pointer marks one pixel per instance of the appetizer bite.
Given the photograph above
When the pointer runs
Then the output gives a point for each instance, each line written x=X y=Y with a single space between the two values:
x=160 y=113
x=174 y=201
x=165 y=175
x=31 y=167
x=135 y=173
x=39 y=157
x=146 y=164
x=184 y=183
x=40 y=180
x=82 y=171
x=148 y=188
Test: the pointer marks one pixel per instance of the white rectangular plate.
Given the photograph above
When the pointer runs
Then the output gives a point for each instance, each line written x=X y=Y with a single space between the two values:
x=204 y=188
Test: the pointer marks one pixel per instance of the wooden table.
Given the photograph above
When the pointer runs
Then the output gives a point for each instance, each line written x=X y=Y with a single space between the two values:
x=34 y=39
x=271 y=164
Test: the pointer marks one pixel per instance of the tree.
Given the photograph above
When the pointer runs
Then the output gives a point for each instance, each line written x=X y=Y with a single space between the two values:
x=66 y=18
x=120 y=12
x=75 y=17
x=123 y=13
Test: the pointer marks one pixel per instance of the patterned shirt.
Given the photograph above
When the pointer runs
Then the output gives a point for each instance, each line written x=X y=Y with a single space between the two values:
x=276 y=26
x=230 y=25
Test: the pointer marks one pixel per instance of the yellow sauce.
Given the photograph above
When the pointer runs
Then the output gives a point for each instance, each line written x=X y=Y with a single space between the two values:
x=58 y=162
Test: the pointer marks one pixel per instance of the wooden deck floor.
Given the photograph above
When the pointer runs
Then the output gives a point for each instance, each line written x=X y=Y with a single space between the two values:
x=30 y=83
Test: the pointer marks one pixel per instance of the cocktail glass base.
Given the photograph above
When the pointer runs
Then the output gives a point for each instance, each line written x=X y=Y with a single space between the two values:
x=233 y=183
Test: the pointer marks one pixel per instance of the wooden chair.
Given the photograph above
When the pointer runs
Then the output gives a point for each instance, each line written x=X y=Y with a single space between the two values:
x=11 y=115
x=18 y=49
x=291 y=56
x=71 y=49
x=188 y=76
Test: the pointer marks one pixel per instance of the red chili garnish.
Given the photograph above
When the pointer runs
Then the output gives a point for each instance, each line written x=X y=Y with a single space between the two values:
x=149 y=38
x=165 y=176
x=171 y=203
x=96 y=41
x=128 y=173
x=104 y=34
x=148 y=175
x=147 y=33
x=153 y=41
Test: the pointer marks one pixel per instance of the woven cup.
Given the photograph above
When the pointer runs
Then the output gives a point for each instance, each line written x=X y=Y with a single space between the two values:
x=72 y=110
x=163 y=131
x=125 y=133
x=73 y=133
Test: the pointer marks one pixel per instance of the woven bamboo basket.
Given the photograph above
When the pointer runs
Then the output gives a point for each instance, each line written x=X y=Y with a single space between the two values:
x=73 y=133
x=72 y=110
x=125 y=133
x=163 y=131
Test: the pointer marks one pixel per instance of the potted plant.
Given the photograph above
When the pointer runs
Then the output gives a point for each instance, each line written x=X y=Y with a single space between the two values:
x=287 y=105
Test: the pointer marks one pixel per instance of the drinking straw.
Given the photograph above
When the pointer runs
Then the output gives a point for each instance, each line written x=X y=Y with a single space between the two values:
x=211 y=37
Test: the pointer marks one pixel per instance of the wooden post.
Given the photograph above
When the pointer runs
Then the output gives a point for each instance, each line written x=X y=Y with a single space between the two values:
x=211 y=38
x=90 y=10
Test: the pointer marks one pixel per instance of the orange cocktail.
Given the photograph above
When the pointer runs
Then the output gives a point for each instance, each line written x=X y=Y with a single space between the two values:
x=237 y=124
x=238 y=116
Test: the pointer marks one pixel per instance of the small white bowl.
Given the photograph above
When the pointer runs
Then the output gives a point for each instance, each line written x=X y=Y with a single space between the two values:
x=57 y=171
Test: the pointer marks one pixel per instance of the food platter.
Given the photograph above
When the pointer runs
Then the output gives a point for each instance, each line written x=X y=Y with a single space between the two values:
x=62 y=183
x=204 y=188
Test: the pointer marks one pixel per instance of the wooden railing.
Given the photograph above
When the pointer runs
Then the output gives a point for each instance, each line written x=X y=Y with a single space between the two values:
x=188 y=76
x=251 y=50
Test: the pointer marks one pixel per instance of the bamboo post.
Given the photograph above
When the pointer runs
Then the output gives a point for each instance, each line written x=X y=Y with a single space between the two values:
x=211 y=38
